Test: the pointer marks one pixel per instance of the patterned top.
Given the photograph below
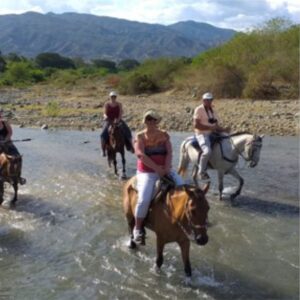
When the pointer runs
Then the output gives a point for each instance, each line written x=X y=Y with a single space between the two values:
x=155 y=148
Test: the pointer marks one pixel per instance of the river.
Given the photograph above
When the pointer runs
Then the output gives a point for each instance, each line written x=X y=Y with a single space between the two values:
x=66 y=238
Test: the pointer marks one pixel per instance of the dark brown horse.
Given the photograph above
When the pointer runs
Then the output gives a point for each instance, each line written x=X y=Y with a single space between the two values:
x=11 y=167
x=116 y=145
x=180 y=217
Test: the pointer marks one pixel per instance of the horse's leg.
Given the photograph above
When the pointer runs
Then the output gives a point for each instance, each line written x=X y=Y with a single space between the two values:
x=236 y=175
x=1 y=191
x=124 y=165
x=185 y=253
x=15 y=199
x=195 y=174
x=131 y=222
x=115 y=164
x=220 y=184
x=159 y=252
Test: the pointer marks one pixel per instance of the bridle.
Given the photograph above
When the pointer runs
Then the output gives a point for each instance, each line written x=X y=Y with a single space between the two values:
x=192 y=226
x=255 y=145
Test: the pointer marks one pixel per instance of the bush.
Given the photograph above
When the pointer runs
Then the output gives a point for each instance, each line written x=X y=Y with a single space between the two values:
x=52 y=109
x=137 y=83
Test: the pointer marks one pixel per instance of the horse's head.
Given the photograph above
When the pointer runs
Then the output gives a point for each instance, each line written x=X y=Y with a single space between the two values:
x=116 y=137
x=252 y=150
x=10 y=165
x=196 y=211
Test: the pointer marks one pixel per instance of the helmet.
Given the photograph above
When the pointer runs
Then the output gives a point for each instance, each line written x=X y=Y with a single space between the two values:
x=207 y=96
x=112 y=93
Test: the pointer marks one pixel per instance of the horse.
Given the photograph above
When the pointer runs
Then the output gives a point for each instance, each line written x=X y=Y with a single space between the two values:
x=11 y=167
x=180 y=215
x=116 y=144
x=224 y=157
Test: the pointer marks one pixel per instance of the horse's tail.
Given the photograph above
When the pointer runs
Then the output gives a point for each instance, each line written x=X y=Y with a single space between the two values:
x=183 y=159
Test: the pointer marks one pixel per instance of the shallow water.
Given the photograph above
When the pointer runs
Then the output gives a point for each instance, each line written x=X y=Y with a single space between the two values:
x=67 y=237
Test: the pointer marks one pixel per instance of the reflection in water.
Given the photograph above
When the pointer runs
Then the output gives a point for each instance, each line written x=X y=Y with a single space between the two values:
x=67 y=236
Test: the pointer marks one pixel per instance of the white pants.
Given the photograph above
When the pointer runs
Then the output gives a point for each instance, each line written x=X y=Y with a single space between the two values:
x=145 y=186
x=204 y=143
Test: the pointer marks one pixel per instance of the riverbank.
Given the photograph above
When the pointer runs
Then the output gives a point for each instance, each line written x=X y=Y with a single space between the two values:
x=81 y=107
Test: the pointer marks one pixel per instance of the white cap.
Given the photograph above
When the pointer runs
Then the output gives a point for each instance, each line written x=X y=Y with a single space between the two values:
x=113 y=93
x=207 y=96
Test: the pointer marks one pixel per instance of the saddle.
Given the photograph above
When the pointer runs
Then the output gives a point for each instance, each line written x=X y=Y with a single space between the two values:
x=162 y=187
x=215 y=138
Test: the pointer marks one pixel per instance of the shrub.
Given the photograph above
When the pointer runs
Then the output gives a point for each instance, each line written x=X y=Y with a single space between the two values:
x=51 y=109
x=137 y=83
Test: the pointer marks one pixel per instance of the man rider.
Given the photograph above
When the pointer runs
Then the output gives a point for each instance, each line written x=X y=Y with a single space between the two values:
x=205 y=122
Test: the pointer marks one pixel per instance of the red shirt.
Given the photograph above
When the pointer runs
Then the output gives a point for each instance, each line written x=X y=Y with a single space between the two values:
x=112 y=112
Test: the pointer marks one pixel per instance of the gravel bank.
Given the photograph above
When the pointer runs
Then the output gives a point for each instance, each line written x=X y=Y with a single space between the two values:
x=82 y=109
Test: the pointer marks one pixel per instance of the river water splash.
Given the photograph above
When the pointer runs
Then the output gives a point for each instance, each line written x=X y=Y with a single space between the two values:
x=67 y=237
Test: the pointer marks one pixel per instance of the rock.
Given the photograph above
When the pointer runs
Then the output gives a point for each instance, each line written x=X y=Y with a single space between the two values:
x=44 y=126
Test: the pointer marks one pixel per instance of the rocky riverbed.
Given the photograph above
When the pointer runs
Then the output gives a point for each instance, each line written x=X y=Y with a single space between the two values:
x=82 y=108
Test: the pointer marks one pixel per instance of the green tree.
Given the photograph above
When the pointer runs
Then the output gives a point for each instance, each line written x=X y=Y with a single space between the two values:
x=107 y=64
x=128 y=64
x=54 y=60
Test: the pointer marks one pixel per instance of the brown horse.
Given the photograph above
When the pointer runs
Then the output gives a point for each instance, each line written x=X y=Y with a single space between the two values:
x=181 y=217
x=11 y=167
x=116 y=145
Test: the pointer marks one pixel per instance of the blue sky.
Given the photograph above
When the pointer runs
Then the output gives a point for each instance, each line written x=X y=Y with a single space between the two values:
x=235 y=14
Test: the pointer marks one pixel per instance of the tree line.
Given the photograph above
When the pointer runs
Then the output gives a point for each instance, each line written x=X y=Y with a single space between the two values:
x=262 y=63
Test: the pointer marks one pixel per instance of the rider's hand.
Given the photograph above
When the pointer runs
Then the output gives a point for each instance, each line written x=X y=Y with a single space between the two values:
x=160 y=171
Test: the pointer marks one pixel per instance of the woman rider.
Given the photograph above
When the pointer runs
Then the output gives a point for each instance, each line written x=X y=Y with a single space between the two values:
x=113 y=112
x=154 y=152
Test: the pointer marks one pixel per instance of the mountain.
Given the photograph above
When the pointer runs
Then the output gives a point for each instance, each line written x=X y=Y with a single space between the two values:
x=89 y=36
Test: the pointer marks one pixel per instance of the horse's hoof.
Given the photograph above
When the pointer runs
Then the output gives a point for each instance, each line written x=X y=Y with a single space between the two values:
x=22 y=180
x=188 y=280
x=232 y=200
x=12 y=205
x=131 y=244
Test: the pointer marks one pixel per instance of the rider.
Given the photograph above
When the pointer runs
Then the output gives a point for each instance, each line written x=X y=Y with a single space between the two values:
x=154 y=152
x=113 y=112
x=206 y=121
x=6 y=145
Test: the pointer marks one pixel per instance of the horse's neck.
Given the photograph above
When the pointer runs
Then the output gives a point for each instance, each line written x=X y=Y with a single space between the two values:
x=240 y=141
x=176 y=204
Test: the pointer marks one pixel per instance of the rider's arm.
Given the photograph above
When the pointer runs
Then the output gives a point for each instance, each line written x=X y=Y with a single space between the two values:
x=199 y=125
x=105 y=111
x=169 y=155
x=139 y=150
x=120 y=111
x=9 y=132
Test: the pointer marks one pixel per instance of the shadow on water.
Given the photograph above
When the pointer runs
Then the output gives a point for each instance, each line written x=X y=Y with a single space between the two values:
x=43 y=210
x=12 y=241
x=232 y=284
x=266 y=207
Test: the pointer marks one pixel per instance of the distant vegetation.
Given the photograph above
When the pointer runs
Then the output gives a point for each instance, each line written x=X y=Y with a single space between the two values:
x=263 y=63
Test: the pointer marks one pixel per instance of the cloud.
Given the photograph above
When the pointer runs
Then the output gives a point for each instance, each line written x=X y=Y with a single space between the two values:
x=236 y=14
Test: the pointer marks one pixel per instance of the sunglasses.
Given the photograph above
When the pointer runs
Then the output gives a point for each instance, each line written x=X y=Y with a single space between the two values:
x=150 y=119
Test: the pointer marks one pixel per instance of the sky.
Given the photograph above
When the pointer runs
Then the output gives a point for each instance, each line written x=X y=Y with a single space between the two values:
x=235 y=14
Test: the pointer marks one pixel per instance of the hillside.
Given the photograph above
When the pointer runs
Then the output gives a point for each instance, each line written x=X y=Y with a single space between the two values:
x=89 y=36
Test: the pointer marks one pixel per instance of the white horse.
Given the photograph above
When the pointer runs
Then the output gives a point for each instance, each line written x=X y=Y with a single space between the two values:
x=225 y=154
